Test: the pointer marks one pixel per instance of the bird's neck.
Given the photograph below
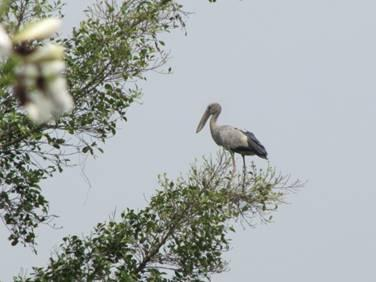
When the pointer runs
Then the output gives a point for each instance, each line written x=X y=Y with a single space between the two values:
x=213 y=124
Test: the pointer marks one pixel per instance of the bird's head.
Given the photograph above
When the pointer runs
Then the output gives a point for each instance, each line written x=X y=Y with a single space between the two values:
x=212 y=109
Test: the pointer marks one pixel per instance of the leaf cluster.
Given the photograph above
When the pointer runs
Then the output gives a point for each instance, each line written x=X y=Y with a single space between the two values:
x=180 y=235
x=106 y=55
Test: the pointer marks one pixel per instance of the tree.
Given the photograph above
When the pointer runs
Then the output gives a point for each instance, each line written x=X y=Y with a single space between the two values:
x=180 y=236
x=102 y=79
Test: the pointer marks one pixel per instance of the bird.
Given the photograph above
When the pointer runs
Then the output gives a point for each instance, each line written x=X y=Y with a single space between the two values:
x=232 y=139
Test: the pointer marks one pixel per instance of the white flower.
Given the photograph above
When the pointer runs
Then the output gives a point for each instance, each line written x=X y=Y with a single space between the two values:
x=52 y=69
x=46 y=89
x=32 y=111
x=48 y=52
x=27 y=70
x=50 y=101
x=40 y=74
x=39 y=108
x=37 y=30
x=5 y=42
x=60 y=97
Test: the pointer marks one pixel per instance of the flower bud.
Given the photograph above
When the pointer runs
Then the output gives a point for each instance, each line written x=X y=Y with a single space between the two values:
x=37 y=30
x=5 y=42
x=48 y=52
x=52 y=68
x=27 y=71
x=60 y=97
x=39 y=108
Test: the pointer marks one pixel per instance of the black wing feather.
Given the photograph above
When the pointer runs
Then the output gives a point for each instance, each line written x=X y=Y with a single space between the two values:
x=255 y=145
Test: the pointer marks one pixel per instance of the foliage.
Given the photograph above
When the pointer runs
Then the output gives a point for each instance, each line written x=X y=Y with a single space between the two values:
x=182 y=233
x=180 y=236
x=102 y=79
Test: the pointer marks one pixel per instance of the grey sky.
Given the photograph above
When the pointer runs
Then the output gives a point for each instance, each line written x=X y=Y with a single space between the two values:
x=301 y=76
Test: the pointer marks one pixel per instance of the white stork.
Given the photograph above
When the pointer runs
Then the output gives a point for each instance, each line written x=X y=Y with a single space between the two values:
x=231 y=138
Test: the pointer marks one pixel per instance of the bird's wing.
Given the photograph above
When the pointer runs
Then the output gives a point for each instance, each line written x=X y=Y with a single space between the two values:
x=255 y=144
x=232 y=137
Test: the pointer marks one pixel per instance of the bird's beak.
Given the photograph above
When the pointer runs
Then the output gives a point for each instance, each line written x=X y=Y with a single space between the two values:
x=203 y=121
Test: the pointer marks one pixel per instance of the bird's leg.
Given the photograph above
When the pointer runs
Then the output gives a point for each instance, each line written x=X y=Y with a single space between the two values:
x=233 y=164
x=244 y=166
x=244 y=171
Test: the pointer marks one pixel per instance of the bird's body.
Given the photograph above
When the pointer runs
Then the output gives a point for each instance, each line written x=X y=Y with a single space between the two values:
x=231 y=138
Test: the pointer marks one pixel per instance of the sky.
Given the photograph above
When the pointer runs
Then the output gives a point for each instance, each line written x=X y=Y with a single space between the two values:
x=301 y=76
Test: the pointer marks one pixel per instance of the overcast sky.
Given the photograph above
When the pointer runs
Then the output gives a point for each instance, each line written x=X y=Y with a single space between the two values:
x=299 y=74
